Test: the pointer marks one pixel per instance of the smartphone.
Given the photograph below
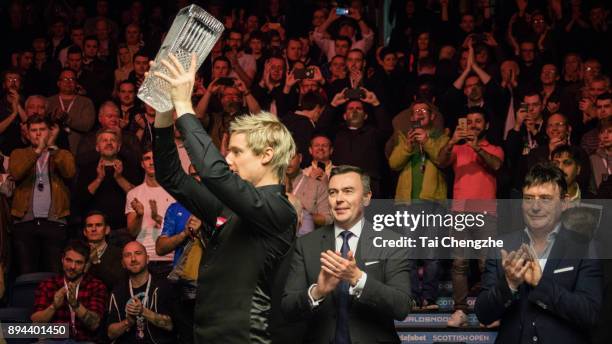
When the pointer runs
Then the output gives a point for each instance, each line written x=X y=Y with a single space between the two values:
x=342 y=11
x=225 y=81
x=354 y=94
x=274 y=26
x=299 y=73
x=463 y=123
x=524 y=107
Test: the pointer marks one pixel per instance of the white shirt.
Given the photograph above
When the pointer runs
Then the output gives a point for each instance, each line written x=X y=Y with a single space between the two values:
x=353 y=241
x=550 y=241
x=150 y=230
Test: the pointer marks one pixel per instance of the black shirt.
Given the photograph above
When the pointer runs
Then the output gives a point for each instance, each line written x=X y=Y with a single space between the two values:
x=159 y=297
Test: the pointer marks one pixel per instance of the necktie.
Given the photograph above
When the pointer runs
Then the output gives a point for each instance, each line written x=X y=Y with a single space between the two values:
x=342 y=328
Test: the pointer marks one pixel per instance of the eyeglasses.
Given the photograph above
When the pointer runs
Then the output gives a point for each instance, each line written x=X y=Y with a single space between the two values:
x=544 y=200
x=423 y=111
x=67 y=79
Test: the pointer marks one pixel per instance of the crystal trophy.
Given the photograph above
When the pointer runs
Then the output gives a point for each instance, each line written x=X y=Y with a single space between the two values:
x=193 y=31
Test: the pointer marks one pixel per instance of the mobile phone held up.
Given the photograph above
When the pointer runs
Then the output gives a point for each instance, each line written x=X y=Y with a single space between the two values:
x=341 y=11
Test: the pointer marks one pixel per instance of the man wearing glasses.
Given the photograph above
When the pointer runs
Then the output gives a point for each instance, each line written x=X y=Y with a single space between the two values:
x=541 y=285
x=73 y=113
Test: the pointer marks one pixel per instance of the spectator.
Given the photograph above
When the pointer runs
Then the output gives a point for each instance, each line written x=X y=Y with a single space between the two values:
x=347 y=29
x=73 y=297
x=232 y=98
x=303 y=123
x=601 y=160
x=106 y=42
x=109 y=120
x=270 y=87
x=144 y=207
x=104 y=258
x=9 y=111
x=94 y=86
x=361 y=144
x=58 y=39
x=140 y=61
x=41 y=203
x=103 y=183
x=133 y=40
x=415 y=155
x=320 y=151
x=71 y=111
x=558 y=134
x=603 y=109
x=92 y=63
x=102 y=11
x=243 y=65
x=312 y=195
x=127 y=104
x=567 y=159
x=77 y=35
x=139 y=310
x=124 y=64
x=475 y=162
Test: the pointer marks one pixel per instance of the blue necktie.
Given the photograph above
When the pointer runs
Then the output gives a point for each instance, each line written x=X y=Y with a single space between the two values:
x=342 y=321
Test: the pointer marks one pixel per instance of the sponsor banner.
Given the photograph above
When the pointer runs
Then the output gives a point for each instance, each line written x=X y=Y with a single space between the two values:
x=447 y=303
x=448 y=337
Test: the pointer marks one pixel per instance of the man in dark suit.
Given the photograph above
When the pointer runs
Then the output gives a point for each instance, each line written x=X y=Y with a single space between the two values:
x=348 y=291
x=546 y=290
x=243 y=254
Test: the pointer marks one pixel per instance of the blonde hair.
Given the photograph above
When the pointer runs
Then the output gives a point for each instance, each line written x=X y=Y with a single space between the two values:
x=264 y=130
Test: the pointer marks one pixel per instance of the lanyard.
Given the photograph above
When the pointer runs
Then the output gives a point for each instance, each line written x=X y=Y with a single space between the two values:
x=40 y=167
x=145 y=300
x=73 y=311
x=69 y=105
x=295 y=189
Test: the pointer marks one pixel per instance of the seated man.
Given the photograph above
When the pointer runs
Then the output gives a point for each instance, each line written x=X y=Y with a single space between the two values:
x=542 y=288
x=139 y=306
x=73 y=297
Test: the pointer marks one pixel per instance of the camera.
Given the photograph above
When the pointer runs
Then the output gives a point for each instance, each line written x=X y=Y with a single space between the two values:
x=524 y=107
x=303 y=73
x=354 y=94
x=342 y=11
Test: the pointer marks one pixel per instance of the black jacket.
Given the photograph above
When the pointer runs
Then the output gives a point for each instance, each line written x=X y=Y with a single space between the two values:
x=385 y=296
x=242 y=256
x=563 y=307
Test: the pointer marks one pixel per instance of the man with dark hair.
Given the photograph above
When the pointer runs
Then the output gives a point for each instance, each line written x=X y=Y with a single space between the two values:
x=544 y=284
x=603 y=109
x=303 y=123
x=140 y=61
x=145 y=207
x=475 y=162
x=345 y=297
x=569 y=160
x=41 y=201
x=347 y=28
x=74 y=297
x=243 y=65
x=139 y=307
x=104 y=258
x=601 y=160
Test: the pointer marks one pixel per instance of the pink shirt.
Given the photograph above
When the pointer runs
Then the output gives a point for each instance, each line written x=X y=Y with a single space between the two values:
x=473 y=179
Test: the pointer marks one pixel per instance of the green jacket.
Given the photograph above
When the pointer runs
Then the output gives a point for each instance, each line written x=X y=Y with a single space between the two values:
x=434 y=183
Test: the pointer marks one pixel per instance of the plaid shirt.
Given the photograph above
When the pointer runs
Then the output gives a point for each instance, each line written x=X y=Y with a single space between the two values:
x=92 y=295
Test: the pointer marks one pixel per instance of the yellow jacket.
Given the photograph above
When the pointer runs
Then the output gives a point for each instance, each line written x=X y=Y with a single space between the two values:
x=22 y=166
x=434 y=184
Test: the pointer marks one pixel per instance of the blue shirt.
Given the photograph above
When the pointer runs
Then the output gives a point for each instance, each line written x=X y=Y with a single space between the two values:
x=174 y=222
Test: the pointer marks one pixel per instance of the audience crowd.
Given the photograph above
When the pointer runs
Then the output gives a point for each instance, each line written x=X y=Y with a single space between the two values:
x=457 y=101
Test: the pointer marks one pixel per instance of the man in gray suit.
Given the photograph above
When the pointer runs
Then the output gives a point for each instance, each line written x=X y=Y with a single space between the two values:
x=346 y=290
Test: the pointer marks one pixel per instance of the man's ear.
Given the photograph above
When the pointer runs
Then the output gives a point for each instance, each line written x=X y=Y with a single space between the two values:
x=267 y=155
x=367 y=198
x=107 y=230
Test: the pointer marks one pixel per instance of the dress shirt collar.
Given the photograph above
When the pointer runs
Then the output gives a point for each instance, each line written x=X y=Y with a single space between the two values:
x=356 y=229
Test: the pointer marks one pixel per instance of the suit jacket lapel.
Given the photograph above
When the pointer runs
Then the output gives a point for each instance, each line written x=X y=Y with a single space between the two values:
x=557 y=253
